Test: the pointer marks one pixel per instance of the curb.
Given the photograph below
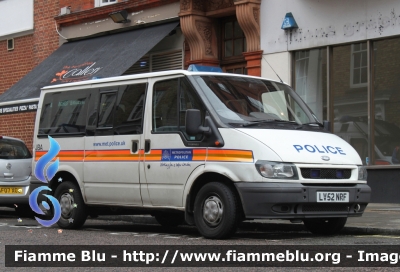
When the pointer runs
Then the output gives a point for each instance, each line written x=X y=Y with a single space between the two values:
x=280 y=227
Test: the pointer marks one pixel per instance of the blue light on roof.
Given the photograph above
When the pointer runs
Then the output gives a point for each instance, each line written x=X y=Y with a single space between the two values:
x=204 y=68
x=289 y=22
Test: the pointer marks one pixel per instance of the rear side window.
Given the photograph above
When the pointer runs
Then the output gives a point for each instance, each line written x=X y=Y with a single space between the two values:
x=64 y=113
x=12 y=149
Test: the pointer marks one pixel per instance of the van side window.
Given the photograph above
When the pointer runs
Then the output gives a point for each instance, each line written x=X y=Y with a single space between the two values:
x=106 y=110
x=64 y=113
x=171 y=99
x=165 y=111
x=130 y=110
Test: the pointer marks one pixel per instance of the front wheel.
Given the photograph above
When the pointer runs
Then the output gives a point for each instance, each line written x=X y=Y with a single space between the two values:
x=325 y=226
x=216 y=211
x=73 y=209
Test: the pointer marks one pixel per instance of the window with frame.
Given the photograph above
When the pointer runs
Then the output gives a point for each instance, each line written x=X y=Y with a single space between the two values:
x=171 y=99
x=233 y=39
x=233 y=45
x=106 y=110
x=64 y=113
x=130 y=110
x=359 y=65
x=236 y=69
x=99 y=3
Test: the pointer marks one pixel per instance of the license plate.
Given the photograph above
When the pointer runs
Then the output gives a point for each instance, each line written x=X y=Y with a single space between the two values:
x=11 y=190
x=332 y=197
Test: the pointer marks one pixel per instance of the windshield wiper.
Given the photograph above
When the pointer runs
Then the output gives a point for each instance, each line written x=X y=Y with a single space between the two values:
x=254 y=123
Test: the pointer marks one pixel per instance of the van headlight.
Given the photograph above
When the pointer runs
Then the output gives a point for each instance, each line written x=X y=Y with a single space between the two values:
x=277 y=170
x=362 y=173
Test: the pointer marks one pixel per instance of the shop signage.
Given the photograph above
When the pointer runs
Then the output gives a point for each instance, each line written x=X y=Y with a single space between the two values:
x=18 y=108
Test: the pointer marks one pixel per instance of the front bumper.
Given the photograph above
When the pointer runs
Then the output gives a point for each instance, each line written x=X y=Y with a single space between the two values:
x=297 y=201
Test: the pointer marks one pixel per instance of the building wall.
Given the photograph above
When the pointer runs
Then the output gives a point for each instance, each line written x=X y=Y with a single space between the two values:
x=19 y=125
x=278 y=63
x=14 y=20
x=29 y=51
x=77 y=5
x=16 y=63
x=326 y=22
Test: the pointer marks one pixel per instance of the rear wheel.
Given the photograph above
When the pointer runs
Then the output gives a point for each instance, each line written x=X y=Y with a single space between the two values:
x=73 y=209
x=170 y=219
x=326 y=226
x=216 y=211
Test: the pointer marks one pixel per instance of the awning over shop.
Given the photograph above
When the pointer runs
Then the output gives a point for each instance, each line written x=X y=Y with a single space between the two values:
x=99 y=57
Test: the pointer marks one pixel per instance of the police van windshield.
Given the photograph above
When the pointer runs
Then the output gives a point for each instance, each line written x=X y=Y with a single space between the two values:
x=242 y=101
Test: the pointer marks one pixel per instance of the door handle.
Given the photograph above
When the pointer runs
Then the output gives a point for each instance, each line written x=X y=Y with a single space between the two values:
x=147 y=146
x=134 y=147
x=8 y=175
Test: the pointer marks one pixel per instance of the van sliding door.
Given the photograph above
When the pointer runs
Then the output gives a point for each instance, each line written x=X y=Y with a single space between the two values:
x=111 y=171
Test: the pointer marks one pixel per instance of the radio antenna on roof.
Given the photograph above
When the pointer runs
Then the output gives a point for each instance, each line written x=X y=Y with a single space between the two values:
x=273 y=70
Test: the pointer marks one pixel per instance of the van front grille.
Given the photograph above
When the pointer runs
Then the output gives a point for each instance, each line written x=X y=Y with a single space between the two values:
x=325 y=173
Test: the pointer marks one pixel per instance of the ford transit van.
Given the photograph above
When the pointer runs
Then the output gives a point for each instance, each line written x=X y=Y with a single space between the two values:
x=208 y=149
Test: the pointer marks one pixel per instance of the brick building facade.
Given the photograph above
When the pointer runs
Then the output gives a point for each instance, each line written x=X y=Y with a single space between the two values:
x=201 y=23
x=28 y=52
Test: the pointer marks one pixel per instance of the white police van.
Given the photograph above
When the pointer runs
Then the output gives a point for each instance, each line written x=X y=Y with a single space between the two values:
x=211 y=149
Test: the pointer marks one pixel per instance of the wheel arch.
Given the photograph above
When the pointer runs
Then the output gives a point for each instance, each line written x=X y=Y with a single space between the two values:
x=202 y=180
x=65 y=176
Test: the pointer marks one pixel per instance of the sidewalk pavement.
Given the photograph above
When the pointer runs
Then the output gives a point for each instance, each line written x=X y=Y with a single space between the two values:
x=380 y=219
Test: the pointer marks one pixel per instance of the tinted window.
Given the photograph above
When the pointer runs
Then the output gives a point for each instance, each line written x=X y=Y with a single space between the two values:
x=64 y=112
x=129 y=111
x=106 y=110
x=171 y=99
x=165 y=111
x=12 y=149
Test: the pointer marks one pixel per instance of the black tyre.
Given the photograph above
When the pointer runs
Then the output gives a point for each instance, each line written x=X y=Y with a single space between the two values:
x=73 y=208
x=170 y=219
x=325 y=226
x=216 y=211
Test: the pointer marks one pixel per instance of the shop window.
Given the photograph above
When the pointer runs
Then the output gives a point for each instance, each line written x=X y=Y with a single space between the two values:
x=310 y=79
x=350 y=106
x=350 y=95
x=386 y=101
x=359 y=65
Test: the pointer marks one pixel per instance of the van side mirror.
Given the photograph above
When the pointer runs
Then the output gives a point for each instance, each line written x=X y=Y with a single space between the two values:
x=327 y=125
x=193 y=123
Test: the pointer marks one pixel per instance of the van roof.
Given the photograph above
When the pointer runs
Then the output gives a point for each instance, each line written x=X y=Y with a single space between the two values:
x=144 y=75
